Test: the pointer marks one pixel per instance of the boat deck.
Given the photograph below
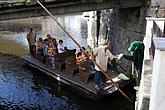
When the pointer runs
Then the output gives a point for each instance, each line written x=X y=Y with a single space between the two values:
x=73 y=80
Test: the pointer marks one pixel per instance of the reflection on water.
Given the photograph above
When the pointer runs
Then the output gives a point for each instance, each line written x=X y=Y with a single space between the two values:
x=75 y=24
x=22 y=87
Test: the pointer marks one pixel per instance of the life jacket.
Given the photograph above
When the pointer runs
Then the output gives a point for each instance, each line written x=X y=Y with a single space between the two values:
x=39 y=45
x=80 y=57
x=50 y=51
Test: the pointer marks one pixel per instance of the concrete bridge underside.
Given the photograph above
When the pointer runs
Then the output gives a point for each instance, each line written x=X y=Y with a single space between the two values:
x=20 y=10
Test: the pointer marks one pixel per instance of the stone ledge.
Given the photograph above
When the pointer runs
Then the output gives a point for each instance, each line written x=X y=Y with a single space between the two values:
x=157 y=19
x=159 y=43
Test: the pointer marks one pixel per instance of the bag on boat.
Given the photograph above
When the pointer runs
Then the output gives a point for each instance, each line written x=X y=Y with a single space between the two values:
x=122 y=76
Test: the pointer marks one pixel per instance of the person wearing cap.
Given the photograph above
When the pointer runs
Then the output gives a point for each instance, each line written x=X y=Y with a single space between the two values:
x=102 y=54
x=136 y=49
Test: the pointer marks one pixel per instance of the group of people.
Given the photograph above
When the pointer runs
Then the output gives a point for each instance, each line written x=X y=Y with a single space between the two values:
x=49 y=47
x=102 y=54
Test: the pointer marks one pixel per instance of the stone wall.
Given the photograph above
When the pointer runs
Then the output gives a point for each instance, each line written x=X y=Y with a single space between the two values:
x=123 y=26
x=161 y=3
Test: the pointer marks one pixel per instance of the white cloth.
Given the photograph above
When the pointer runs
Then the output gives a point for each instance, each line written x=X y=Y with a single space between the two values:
x=102 y=57
x=60 y=48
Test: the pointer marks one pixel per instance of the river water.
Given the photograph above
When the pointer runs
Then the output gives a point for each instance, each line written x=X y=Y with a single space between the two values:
x=24 y=88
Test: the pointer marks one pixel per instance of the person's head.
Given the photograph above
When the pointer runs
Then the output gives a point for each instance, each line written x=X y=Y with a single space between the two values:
x=106 y=44
x=31 y=29
x=48 y=36
x=46 y=41
x=40 y=39
x=83 y=49
x=60 y=41
x=135 y=45
x=54 y=40
x=79 y=54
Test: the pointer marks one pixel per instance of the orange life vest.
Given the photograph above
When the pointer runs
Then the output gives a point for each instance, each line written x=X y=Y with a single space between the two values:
x=50 y=51
x=78 y=59
x=81 y=58
x=39 y=44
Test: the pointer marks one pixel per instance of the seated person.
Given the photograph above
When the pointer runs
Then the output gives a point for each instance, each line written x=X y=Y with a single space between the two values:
x=80 y=56
x=60 y=46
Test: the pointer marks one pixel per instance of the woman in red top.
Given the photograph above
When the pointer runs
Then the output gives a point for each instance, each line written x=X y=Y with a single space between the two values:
x=40 y=46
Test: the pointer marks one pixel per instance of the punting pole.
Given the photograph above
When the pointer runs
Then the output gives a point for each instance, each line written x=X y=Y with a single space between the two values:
x=108 y=76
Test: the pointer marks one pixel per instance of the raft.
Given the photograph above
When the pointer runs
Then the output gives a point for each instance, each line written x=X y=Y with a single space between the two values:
x=75 y=81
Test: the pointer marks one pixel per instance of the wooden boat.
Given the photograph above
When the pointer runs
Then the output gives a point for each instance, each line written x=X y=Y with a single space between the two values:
x=78 y=81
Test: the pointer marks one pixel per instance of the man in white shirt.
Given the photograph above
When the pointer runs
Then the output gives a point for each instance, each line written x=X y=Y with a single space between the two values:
x=102 y=54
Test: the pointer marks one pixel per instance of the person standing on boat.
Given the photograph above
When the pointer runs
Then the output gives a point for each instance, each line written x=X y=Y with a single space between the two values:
x=49 y=38
x=45 y=51
x=31 y=38
x=51 y=53
x=54 y=41
x=102 y=54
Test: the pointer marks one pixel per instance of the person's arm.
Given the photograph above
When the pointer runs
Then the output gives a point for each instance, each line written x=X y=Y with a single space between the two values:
x=95 y=51
x=128 y=57
x=61 y=48
x=35 y=36
x=111 y=56
x=28 y=38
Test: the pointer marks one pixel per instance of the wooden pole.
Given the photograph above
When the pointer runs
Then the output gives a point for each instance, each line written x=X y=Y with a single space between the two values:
x=108 y=76
x=98 y=26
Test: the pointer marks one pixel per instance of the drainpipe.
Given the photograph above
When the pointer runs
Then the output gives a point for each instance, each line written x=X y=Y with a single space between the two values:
x=98 y=12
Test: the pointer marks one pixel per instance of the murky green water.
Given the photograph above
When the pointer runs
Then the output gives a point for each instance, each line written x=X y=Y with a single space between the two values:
x=24 y=88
